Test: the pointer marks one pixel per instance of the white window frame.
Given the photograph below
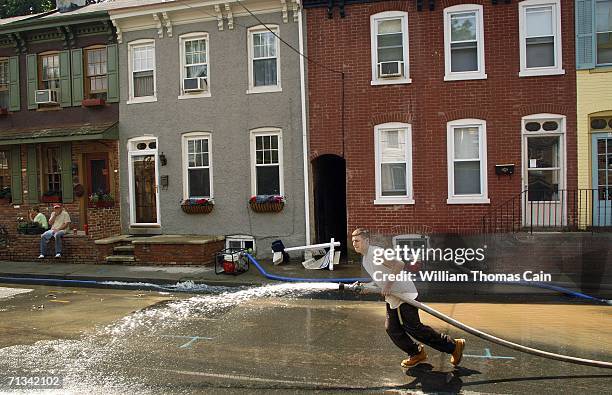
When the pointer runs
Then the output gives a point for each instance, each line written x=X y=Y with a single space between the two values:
x=241 y=239
x=131 y=153
x=374 y=47
x=597 y=64
x=409 y=197
x=464 y=75
x=143 y=99
x=196 y=136
x=557 y=69
x=271 y=88
x=483 y=197
x=191 y=37
x=267 y=132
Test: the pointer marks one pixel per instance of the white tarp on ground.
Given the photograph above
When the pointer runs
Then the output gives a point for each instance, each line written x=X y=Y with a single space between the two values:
x=10 y=292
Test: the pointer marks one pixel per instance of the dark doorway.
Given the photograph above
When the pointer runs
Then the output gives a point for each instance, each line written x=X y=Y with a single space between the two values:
x=329 y=182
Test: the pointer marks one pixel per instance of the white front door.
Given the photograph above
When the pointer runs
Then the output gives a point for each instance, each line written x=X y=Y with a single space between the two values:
x=544 y=192
x=143 y=179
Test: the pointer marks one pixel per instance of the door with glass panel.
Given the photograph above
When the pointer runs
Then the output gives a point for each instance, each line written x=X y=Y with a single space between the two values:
x=602 y=179
x=144 y=194
x=544 y=196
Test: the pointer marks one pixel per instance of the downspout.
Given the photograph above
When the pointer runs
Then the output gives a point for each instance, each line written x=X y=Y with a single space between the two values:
x=304 y=125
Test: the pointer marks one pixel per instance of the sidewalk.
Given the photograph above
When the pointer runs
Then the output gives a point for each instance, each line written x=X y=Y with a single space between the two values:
x=55 y=273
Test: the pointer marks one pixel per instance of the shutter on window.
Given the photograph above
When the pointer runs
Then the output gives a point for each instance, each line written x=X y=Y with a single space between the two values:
x=32 y=175
x=66 y=161
x=14 y=100
x=77 y=76
x=112 y=73
x=585 y=34
x=32 y=71
x=16 y=189
x=65 y=83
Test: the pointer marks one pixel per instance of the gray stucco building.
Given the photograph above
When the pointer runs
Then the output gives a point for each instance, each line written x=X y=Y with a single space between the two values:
x=210 y=108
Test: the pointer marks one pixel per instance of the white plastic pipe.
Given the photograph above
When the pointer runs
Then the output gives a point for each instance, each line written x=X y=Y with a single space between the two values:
x=304 y=124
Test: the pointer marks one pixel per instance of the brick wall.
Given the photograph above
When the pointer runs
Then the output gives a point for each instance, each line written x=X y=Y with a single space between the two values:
x=26 y=248
x=104 y=222
x=428 y=103
x=177 y=254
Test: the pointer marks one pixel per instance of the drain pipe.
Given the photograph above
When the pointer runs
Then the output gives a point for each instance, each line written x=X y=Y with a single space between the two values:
x=304 y=124
x=493 y=339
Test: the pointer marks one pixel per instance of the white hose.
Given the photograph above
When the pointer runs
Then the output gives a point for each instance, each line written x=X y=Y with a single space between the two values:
x=497 y=340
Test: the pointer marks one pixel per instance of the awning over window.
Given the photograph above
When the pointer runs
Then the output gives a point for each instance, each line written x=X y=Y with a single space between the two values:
x=101 y=131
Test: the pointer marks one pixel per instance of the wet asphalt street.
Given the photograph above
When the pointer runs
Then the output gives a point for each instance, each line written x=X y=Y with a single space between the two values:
x=276 y=339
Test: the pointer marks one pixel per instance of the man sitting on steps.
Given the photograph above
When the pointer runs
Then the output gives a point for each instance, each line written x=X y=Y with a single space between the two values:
x=59 y=221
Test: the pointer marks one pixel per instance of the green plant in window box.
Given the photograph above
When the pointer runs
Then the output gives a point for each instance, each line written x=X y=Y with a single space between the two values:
x=101 y=200
x=52 y=196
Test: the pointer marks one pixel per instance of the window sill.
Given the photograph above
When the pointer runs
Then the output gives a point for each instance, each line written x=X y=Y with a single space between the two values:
x=271 y=89
x=187 y=96
x=136 y=100
x=601 y=69
x=465 y=76
x=392 y=201
x=391 y=82
x=538 y=73
x=53 y=108
x=468 y=200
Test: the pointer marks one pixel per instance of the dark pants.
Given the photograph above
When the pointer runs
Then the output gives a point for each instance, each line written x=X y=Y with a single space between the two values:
x=404 y=323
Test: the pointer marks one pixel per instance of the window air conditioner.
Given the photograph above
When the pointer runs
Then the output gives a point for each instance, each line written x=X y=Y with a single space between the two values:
x=46 y=96
x=196 y=84
x=413 y=241
x=390 y=69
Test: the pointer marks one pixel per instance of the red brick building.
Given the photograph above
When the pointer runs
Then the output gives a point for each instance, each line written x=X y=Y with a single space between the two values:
x=465 y=86
x=58 y=128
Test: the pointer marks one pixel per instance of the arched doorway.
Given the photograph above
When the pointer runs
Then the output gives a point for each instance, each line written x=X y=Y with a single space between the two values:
x=329 y=184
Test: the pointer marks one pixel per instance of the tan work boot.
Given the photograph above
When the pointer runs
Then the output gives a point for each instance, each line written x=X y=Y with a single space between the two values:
x=415 y=359
x=458 y=353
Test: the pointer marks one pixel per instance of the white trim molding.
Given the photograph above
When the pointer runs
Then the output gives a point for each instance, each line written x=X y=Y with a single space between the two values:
x=136 y=152
x=141 y=99
x=483 y=196
x=185 y=161
x=555 y=7
x=404 y=129
x=259 y=132
x=265 y=88
x=464 y=10
x=404 y=77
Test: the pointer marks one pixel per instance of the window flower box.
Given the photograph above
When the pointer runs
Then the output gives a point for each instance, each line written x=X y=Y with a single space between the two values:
x=101 y=200
x=93 y=102
x=52 y=197
x=267 y=203
x=197 y=206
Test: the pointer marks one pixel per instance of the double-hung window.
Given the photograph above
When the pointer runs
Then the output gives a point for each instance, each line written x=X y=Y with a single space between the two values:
x=393 y=145
x=267 y=162
x=96 y=82
x=603 y=17
x=49 y=71
x=142 y=71
x=194 y=65
x=4 y=83
x=389 y=41
x=5 y=174
x=467 y=161
x=464 y=42
x=53 y=170
x=197 y=165
x=264 y=59
x=540 y=37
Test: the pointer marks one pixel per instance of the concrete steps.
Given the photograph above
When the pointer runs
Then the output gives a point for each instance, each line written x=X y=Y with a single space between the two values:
x=124 y=250
x=120 y=259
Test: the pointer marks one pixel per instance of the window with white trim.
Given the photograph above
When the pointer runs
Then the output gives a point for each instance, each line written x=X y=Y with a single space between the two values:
x=464 y=42
x=467 y=161
x=267 y=162
x=393 y=155
x=142 y=71
x=603 y=18
x=540 y=37
x=194 y=64
x=264 y=59
x=389 y=41
x=197 y=165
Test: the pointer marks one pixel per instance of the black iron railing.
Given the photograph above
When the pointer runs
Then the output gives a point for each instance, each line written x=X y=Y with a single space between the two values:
x=561 y=210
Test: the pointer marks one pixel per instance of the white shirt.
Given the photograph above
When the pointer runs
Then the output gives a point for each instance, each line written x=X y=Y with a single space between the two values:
x=405 y=289
x=60 y=220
